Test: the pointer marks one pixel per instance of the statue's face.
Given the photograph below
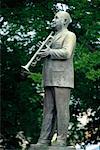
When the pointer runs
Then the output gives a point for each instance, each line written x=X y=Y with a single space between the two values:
x=57 y=22
x=60 y=20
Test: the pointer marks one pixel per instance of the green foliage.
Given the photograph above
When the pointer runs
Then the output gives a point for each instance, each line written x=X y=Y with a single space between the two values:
x=23 y=25
x=36 y=77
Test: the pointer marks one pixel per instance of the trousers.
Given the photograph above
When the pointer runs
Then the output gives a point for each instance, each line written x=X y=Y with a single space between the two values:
x=55 y=113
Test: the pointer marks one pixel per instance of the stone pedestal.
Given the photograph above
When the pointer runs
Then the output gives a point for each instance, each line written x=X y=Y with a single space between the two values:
x=61 y=148
x=33 y=147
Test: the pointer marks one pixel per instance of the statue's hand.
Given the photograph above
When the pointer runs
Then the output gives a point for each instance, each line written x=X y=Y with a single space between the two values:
x=44 y=53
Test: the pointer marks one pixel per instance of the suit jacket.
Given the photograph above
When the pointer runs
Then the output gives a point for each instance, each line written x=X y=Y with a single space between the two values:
x=58 y=67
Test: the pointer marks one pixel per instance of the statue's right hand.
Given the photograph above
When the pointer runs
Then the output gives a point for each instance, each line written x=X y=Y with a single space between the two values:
x=44 y=53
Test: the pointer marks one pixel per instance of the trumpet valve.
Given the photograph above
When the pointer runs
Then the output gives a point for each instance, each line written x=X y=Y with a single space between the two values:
x=39 y=44
x=33 y=64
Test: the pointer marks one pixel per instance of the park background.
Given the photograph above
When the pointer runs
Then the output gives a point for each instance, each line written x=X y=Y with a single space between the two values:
x=23 y=24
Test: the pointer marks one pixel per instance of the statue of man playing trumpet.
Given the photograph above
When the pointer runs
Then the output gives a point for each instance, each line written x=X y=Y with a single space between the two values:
x=58 y=80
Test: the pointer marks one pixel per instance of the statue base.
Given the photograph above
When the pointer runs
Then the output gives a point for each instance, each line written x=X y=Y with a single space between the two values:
x=44 y=147
x=61 y=148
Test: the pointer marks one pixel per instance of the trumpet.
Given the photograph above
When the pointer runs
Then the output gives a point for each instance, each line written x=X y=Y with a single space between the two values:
x=33 y=61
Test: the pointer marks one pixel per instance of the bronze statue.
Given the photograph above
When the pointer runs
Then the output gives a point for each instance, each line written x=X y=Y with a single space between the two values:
x=58 y=80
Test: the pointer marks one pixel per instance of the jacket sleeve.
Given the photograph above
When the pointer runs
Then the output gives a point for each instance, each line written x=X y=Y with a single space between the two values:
x=67 y=49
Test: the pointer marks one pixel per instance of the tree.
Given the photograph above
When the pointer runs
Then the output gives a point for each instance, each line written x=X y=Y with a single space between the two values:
x=23 y=25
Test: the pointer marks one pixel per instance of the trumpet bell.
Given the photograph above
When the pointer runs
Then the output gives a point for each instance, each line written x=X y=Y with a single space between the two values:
x=25 y=67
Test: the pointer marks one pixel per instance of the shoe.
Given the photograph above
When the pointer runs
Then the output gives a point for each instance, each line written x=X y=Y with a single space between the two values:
x=60 y=143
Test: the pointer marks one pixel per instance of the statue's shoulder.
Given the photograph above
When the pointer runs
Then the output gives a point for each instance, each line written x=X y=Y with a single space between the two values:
x=68 y=34
x=71 y=34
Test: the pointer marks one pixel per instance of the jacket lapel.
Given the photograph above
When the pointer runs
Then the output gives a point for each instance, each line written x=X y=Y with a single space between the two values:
x=57 y=37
